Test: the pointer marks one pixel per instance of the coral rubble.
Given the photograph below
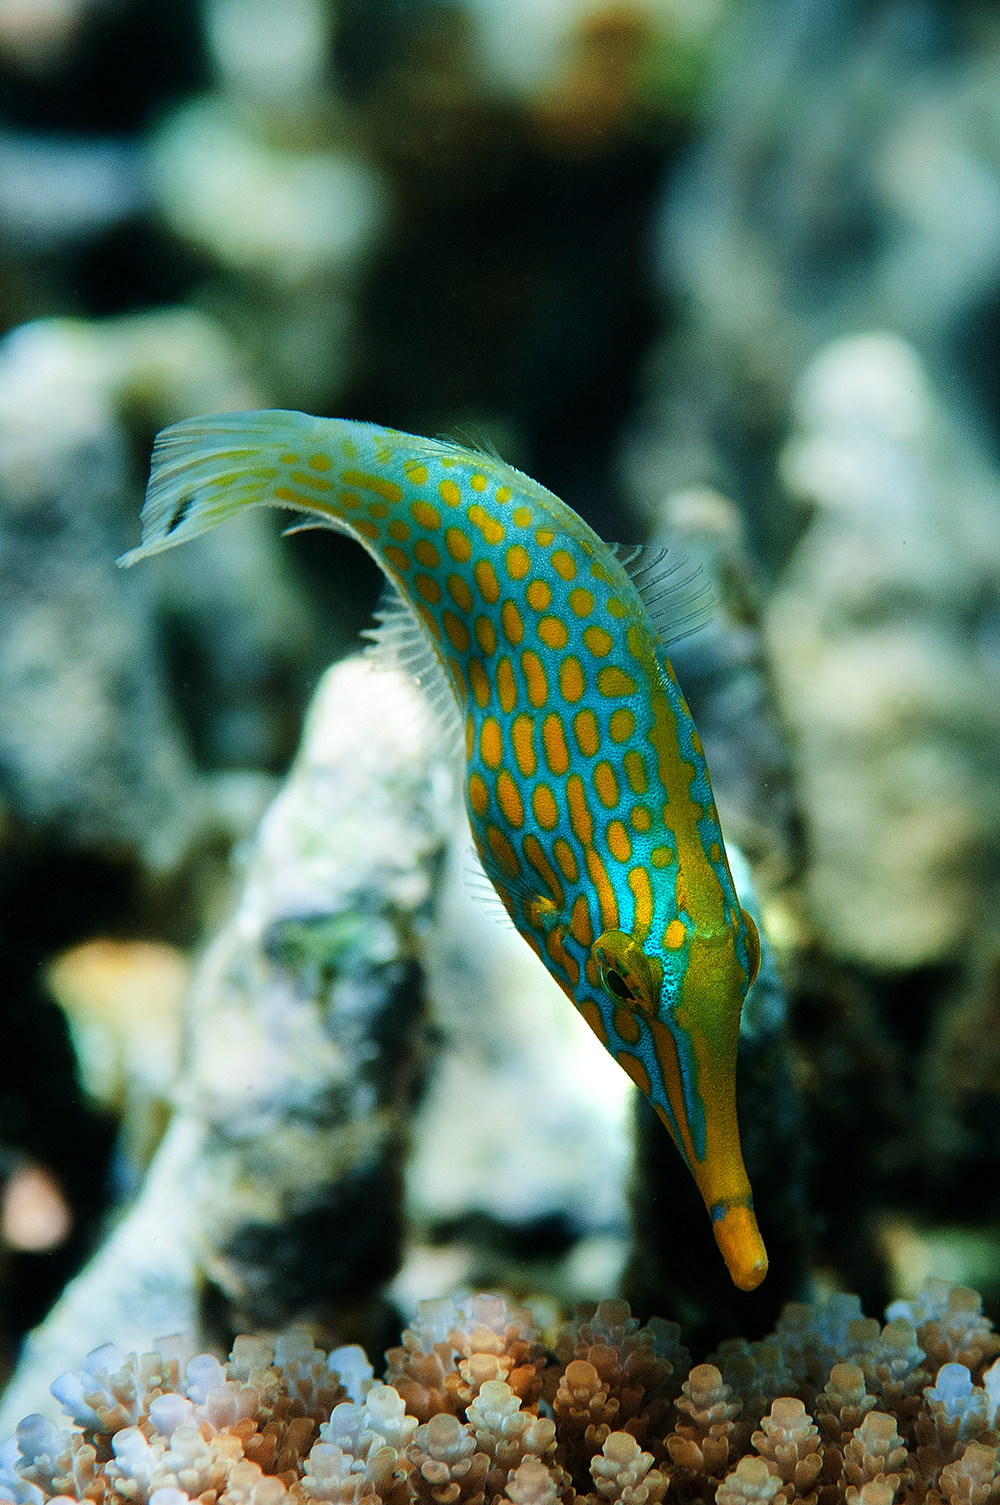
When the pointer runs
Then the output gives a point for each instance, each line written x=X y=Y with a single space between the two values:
x=831 y=1408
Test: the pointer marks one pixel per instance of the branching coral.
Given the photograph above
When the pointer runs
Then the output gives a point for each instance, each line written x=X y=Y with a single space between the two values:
x=475 y=1411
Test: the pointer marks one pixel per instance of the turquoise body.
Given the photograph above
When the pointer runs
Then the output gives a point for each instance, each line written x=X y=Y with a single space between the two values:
x=587 y=789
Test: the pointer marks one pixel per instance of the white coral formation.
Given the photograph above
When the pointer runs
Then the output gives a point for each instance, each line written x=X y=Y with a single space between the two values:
x=750 y=1483
x=789 y=1443
x=166 y=1428
x=972 y=1478
x=447 y=1467
x=531 y=1484
x=458 y=1345
x=875 y=1451
x=623 y=1473
x=950 y=1323
x=506 y=1434
x=238 y=1430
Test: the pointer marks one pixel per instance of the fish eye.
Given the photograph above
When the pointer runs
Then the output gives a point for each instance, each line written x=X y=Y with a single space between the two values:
x=627 y=975
x=753 y=946
x=615 y=983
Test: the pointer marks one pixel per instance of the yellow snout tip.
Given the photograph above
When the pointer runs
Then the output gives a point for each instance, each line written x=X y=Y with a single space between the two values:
x=742 y=1247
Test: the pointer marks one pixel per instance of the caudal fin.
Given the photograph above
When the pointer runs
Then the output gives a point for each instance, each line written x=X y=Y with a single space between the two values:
x=206 y=469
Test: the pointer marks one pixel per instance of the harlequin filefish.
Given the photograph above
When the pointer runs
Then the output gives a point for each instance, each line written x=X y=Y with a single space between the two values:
x=586 y=785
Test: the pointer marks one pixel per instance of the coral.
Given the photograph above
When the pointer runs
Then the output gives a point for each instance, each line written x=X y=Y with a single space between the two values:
x=751 y=1481
x=622 y=1473
x=616 y=1375
x=507 y=1435
x=702 y=1447
x=875 y=1451
x=789 y=1443
x=950 y=1326
x=457 y=1347
x=625 y=1427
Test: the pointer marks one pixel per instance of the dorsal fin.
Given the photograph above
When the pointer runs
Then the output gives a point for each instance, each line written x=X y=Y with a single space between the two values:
x=477 y=443
x=676 y=594
x=399 y=641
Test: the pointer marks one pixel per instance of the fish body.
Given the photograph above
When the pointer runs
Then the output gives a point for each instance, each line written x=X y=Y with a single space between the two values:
x=586 y=786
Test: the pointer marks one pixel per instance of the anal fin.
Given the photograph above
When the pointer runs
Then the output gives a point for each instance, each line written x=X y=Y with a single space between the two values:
x=399 y=641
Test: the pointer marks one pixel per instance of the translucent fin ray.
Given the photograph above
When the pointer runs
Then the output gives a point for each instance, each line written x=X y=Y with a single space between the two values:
x=677 y=603
x=206 y=469
x=399 y=641
x=480 y=887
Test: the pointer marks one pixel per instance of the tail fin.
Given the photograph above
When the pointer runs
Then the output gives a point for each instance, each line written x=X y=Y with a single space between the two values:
x=206 y=469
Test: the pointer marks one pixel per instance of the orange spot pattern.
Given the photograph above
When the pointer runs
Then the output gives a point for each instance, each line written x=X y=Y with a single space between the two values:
x=379 y=484
x=488 y=526
x=618 y=841
x=566 y=859
x=489 y=585
x=587 y=733
x=571 y=683
x=425 y=516
x=553 y=632
x=509 y=799
x=486 y=635
x=614 y=681
x=522 y=736
x=606 y=784
x=636 y=1070
x=592 y=1014
x=543 y=802
x=478 y=683
x=535 y=854
x=599 y=643
x=506 y=685
x=458 y=633
x=568 y=789
x=674 y=935
x=534 y=674
x=479 y=797
x=579 y=922
x=627 y=1025
x=316 y=482
x=459 y=592
x=491 y=742
x=428 y=588
x=554 y=742
x=621 y=724
x=458 y=544
x=510 y=620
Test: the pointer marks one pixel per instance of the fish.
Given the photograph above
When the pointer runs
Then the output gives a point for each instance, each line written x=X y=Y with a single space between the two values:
x=585 y=781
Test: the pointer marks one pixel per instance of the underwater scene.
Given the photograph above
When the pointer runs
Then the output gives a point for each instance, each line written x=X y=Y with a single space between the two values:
x=500 y=752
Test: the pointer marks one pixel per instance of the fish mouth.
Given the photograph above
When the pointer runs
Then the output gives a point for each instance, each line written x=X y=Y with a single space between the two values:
x=740 y=1245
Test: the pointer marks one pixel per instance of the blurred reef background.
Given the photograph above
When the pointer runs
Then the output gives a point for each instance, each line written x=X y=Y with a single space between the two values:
x=725 y=276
